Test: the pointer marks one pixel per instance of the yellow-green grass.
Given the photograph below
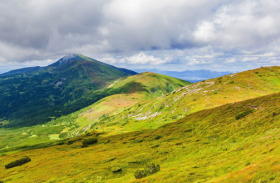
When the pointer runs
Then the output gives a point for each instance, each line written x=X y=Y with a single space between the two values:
x=137 y=88
x=143 y=87
x=195 y=97
x=207 y=146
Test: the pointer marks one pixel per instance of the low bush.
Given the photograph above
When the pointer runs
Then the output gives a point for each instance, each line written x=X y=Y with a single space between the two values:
x=150 y=169
x=158 y=137
x=243 y=114
x=87 y=142
x=63 y=135
x=18 y=162
x=71 y=142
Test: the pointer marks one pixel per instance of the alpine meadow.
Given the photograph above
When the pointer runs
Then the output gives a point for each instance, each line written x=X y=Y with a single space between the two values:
x=139 y=91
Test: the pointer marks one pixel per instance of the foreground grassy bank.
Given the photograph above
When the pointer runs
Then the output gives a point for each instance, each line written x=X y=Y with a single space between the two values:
x=223 y=144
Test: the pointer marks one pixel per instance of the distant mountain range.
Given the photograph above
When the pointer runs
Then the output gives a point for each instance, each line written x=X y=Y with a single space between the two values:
x=189 y=75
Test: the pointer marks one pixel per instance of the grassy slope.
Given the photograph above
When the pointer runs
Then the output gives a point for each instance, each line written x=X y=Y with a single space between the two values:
x=206 y=146
x=142 y=87
x=32 y=98
x=132 y=89
x=195 y=97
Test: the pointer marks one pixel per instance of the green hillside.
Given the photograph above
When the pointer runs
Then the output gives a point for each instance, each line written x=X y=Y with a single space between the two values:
x=192 y=98
x=236 y=142
x=36 y=95
x=141 y=87
x=130 y=90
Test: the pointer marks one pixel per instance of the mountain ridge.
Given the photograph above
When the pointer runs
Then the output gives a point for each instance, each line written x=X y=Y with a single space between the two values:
x=189 y=75
x=34 y=95
x=60 y=62
x=196 y=97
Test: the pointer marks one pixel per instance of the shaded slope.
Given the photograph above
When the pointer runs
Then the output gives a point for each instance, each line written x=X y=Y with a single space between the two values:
x=130 y=90
x=195 y=97
x=21 y=71
x=70 y=84
x=208 y=146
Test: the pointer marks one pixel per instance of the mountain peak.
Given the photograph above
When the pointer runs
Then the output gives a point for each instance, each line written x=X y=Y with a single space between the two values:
x=67 y=58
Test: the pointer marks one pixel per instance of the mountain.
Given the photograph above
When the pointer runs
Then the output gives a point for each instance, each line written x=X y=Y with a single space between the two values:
x=123 y=93
x=192 y=98
x=21 y=71
x=141 y=87
x=189 y=75
x=224 y=129
x=36 y=95
x=237 y=142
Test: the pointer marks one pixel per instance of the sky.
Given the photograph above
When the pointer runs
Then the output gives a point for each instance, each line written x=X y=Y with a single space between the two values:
x=177 y=35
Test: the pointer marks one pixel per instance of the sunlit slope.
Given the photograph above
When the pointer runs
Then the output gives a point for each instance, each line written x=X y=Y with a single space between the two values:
x=237 y=142
x=32 y=96
x=131 y=90
x=137 y=88
x=195 y=97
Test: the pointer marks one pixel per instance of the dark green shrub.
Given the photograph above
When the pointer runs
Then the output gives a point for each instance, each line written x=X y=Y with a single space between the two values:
x=158 y=137
x=150 y=169
x=1 y=181
x=161 y=107
x=71 y=142
x=243 y=114
x=18 y=162
x=60 y=143
x=90 y=141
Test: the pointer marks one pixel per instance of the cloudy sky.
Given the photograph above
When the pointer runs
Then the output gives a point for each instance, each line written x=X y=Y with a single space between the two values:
x=221 y=35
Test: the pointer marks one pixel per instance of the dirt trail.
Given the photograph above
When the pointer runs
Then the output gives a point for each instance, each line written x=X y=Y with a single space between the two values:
x=122 y=99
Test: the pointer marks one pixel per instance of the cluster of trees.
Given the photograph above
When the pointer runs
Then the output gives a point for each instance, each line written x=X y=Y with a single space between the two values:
x=18 y=162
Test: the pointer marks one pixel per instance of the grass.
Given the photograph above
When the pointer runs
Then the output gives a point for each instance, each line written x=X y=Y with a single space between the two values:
x=141 y=108
x=30 y=98
x=213 y=138
x=136 y=89
x=206 y=146
x=195 y=97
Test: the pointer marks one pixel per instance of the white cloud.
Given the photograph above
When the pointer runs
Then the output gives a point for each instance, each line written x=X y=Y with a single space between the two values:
x=142 y=58
x=230 y=60
x=110 y=60
x=250 y=59
x=195 y=62
x=205 y=32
